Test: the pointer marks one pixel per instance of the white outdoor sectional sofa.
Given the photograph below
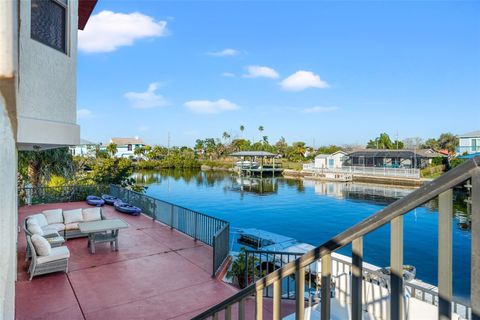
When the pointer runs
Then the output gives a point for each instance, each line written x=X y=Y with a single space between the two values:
x=46 y=232
x=61 y=222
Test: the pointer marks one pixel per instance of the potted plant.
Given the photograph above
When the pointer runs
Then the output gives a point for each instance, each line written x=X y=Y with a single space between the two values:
x=239 y=265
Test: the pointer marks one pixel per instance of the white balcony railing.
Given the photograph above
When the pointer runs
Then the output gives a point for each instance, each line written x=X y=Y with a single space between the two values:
x=366 y=171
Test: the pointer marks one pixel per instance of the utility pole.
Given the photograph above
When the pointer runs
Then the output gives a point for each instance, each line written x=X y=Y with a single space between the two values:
x=168 y=143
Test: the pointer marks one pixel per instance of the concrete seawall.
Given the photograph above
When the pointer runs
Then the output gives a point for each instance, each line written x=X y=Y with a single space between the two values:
x=298 y=174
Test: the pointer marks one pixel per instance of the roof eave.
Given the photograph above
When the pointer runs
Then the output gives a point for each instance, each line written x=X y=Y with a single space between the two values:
x=85 y=9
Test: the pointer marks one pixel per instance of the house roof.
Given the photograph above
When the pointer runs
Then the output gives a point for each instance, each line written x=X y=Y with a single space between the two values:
x=125 y=141
x=85 y=8
x=326 y=155
x=473 y=134
x=253 y=154
x=400 y=153
x=84 y=142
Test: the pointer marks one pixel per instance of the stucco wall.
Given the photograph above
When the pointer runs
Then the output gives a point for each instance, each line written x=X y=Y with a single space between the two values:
x=47 y=84
x=8 y=214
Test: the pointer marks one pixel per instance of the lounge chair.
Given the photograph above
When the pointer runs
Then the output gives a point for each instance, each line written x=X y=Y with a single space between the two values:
x=54 y=260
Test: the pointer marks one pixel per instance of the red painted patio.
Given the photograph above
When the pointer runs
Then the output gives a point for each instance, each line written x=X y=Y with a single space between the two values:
x=158 y=273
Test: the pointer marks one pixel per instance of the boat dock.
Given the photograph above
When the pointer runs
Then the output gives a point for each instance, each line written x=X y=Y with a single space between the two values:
x=257 y=163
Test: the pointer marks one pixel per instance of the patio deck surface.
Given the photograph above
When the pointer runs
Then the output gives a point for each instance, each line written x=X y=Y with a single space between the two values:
x=156 y=274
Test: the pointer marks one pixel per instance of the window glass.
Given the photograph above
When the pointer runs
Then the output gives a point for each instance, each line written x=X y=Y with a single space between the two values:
x=48 y=23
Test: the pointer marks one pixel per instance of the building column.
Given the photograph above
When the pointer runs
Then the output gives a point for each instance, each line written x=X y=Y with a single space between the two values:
x=8 y=214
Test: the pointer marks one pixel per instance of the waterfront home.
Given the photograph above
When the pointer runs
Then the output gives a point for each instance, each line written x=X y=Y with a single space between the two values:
x=85 y=148
x=330 y=161
x=126 y=146
x=469 y=143
x=401 y=158
x=38 y=72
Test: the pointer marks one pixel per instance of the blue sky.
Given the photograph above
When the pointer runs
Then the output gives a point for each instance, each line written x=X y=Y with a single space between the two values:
x=329 y=72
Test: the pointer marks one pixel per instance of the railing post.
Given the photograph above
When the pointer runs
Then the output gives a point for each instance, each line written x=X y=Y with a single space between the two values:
x=214 y=247
x=475 y=262
x=241 y=309
x=259 y=304
x=445 y=212
x=195 y=226
x=357 y=278
x=228 y=313
x=246 y=270
x=300 y=293
x=171 y=216
x=396 y=268
x=326 y=286
x=277 y=299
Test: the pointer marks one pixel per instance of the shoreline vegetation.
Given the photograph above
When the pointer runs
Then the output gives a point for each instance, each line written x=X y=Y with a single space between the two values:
x=57 y=167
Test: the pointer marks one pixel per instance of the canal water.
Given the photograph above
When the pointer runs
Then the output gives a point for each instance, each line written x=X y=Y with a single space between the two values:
x=313 y=212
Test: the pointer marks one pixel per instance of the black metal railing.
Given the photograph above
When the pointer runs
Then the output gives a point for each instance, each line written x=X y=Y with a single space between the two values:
x=207 y=229
x=37 y=195
x=441 y=188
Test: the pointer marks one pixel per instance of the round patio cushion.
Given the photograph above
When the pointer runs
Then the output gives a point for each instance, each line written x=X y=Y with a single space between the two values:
x=42 y=246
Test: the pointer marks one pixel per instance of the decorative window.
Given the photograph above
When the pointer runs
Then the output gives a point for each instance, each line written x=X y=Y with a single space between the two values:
x=48 y=23
x=129 y=147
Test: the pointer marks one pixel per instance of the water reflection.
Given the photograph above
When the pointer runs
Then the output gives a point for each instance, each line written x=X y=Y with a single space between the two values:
x=259 y=186
x=362 y=192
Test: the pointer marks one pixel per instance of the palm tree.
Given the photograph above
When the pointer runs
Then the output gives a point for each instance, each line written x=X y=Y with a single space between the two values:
x=260 y=128
x=226 y=136
x=112 y=149
x=40 y=165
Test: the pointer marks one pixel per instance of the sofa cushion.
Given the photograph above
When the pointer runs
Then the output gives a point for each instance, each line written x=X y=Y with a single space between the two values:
x=70 y=216
x=56 y=253
x=47 y=232
x=55 y=226
x=40 y=219
x=72 y=226
x=34 y=227
x=92 y=214
x=42 y=246
x=53 y=216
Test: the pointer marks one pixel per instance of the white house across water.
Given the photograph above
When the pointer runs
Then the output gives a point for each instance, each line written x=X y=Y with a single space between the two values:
x=469 y=143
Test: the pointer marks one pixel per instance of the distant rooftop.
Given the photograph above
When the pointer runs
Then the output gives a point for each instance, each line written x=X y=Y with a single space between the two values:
x=84 y=142
x=474 y=134
x=253 y=154
x=125 y=141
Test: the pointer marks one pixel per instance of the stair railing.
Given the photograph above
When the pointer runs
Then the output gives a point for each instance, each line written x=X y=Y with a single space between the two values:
x=442 y=188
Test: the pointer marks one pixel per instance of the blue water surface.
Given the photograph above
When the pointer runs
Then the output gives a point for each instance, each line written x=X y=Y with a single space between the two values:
x=314 y=212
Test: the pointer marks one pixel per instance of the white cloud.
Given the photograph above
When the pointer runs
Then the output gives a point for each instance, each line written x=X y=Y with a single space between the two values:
x=302 y=80
x=107 y=30
x=143 y=128
x=320 y=109
x=225 y=53
x=147 y=99
x=211 y=107
x=228 y=74
x=84 y=113
x=261 y=71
